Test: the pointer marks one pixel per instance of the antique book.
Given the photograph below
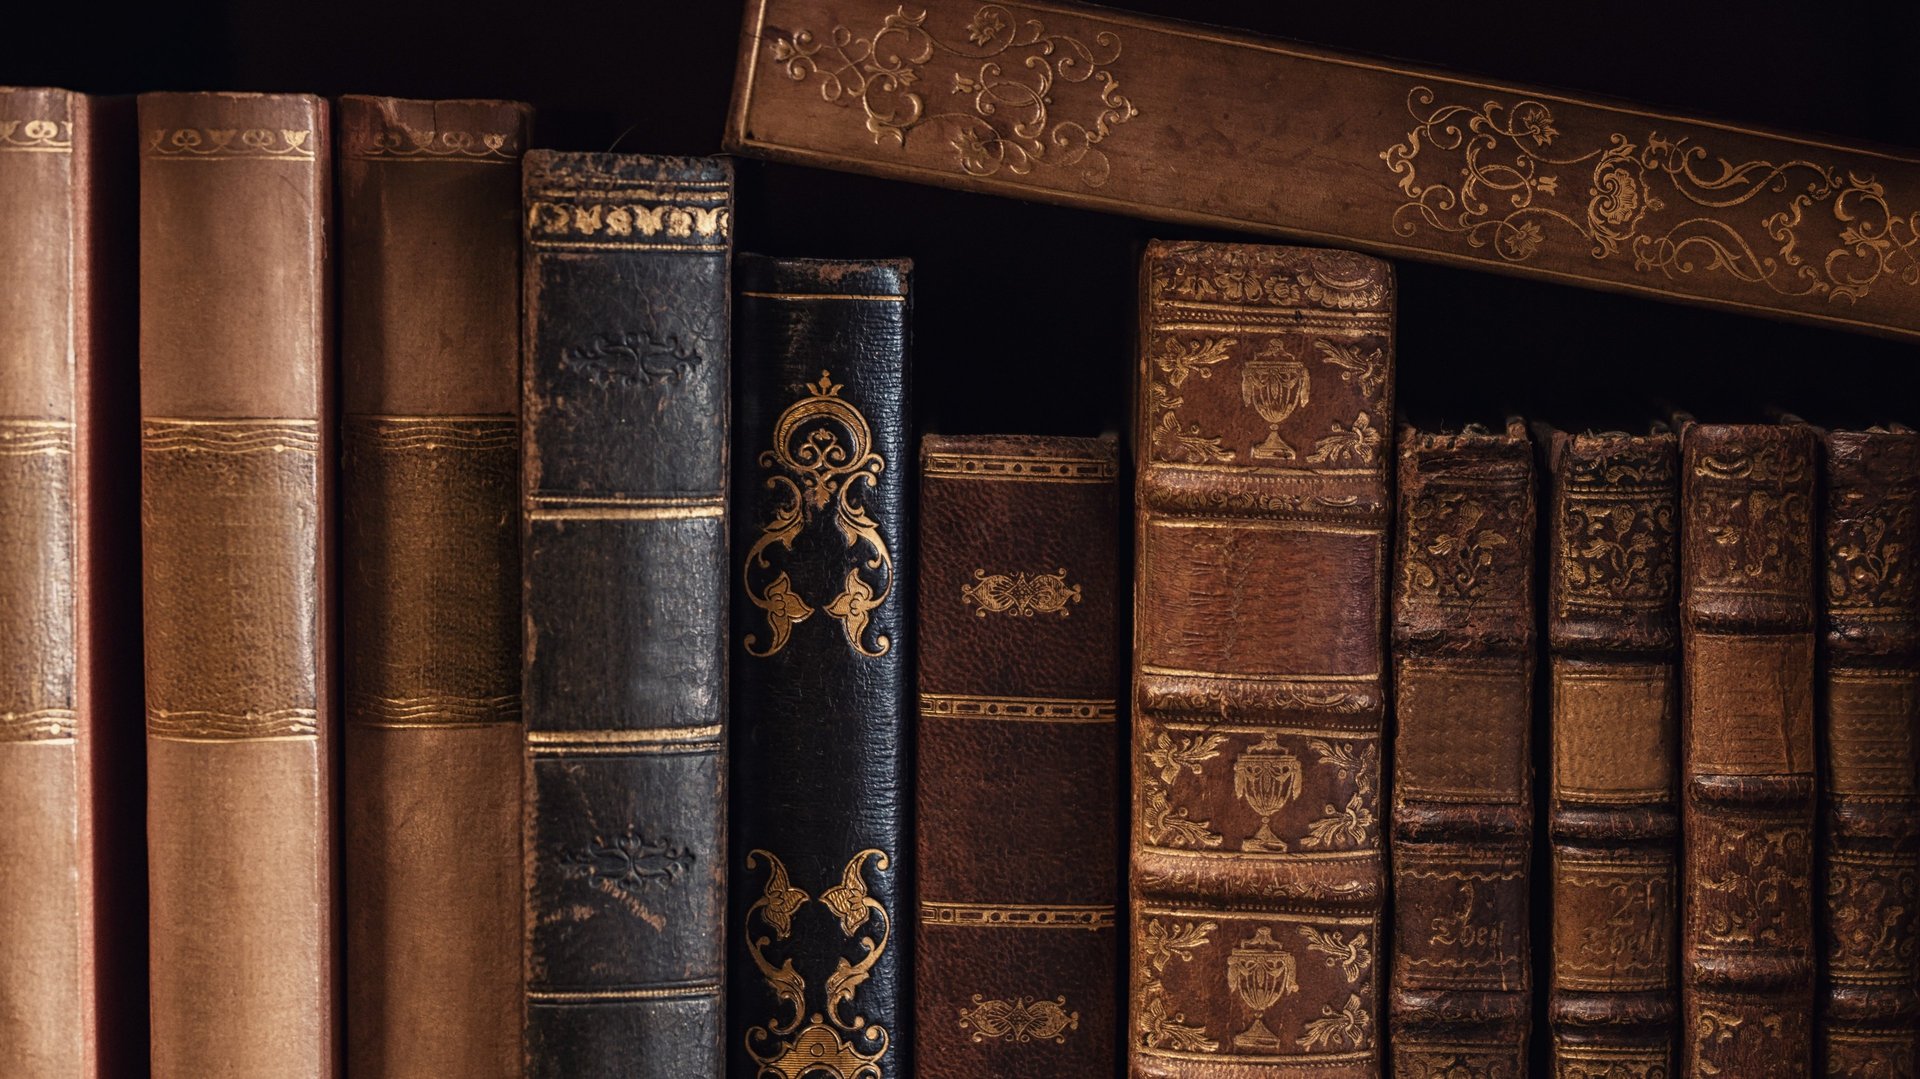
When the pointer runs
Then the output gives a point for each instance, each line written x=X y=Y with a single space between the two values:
x=72 y=977
x=1171 y=121
x=1747 y=752
x=1869 y=694
x=236 y=445
x=624 y=557
x=1613 y=643
x=1017 y=948
x=430 y=584
x=1258 y=868
x=1463 y=655
x=818 y=936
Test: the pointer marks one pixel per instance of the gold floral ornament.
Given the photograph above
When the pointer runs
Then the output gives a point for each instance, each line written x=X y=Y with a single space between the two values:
x=41 y=135
x=1019 y=594
x=1261 y=971
x=1019 y=1020
x=822 y=455
x=1500 y=176
x=1008 y=79
x=1157 y=1024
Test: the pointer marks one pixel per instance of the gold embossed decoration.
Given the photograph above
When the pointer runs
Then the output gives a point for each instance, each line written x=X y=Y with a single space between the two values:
x=1157 y=1021
x=260 y=142
x=1261 y=972
x=822 y=455
x=36 y=136
x=1019 y=1020
x=831 y=1043
x=1500 y=176
x=996 y=90
x=1266 y=777
x=1019 y=594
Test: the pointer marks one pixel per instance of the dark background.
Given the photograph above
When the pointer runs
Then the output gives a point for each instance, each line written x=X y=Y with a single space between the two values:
x=1025 y=312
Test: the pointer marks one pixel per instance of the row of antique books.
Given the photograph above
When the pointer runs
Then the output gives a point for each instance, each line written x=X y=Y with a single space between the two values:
x=564 y=657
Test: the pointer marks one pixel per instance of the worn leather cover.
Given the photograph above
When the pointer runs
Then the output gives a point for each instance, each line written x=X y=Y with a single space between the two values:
x=1869 y=700
x=1170 y=121
x=430 y=592
x=1747 y=749
x=1463 y=656
x=1258 y=866
x=72 y=986
x=1017 y=948
x=236 y=444
x=819 y=925
x=1613 y=642
x=624 y=544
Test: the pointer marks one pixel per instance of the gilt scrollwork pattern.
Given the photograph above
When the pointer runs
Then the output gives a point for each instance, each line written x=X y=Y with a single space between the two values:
x=1019 y=594
x=1021 y=1019
x=1158 y=1021
x=1618 y=523
x=260 y=142
x=1756 y=509
x=1871 y=905
x=1009 y=87
x=1868 y=560
x=43 y=136
x=1501 y=176
x=821 y=461
x=1459 y=545
x=1338 y=280
x=1753 y=891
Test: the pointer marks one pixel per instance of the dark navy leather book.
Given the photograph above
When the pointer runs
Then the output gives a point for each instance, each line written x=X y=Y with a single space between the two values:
x=820 y=923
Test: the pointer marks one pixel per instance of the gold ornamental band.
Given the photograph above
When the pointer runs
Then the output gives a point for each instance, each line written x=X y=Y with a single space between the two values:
x=200 y=725
x=1017 y=709
x=440 y=712
x=694 y=991
x=36 y=438
x=161 y=434
x=991 y=466
x=624 y=741
x=615 y=245
x=54 y=725
x=1018 y=915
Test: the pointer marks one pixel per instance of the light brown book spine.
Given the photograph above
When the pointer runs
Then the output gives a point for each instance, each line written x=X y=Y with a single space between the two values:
x=430 y=588
x=235 y=446
x=66 y=536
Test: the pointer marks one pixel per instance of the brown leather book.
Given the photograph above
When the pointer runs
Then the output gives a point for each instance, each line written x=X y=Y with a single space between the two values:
x=235 y=486
x=1613 y=642
x=72 y=986
x=430 y=589
x=1108 y=110
x=1869 y=694
x=1463 y=655
x=1258 y=867
x=1746 y=737
x=1021 y=667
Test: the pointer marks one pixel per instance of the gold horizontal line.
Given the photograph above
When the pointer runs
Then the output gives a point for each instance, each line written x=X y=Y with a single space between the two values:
x=624 y=736
x=431 y=725
x=235 y=421
x=569 y=499
x=1087 y=916
x=1182 y=672
x=664 y=749
x=1254 y=524
x=665 y=992
x=593 y=245
x=1282 y=912
x=654 y=191
x=306 y=158
x=1018 y=709
x=1271 y=859
x=1351 y=734
x=234 y=738
x=623 y=513
x=51 y=425
x=870 y=297
x=4 y=149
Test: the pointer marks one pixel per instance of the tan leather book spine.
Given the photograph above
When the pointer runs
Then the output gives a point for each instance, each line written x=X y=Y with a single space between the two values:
x=236 y=484
x=1258 y=868
x=1869 y=701
x=430 y=584
x=1107 y=110
x=1613 y=640
x=1463 y=658
x=1747 y=752
x=68 y=649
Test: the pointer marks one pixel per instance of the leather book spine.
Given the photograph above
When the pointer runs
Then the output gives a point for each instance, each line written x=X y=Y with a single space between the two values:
x=819 y=929
x=1199 y=126
x=1258 y=867
x=1613 y=643
x=1463 y=660
x=1869 y=700
x=1017 y=949
x=624 y=558
x=1747 y=750
x=235 y=362
x=72 y=989
x=430 y=587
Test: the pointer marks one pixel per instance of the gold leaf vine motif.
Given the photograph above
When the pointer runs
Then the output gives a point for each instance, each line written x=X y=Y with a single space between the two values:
x=1009 y=72
x=823 y=450
x=1019 y=594
x=1508 y=188
x=1156 y=1024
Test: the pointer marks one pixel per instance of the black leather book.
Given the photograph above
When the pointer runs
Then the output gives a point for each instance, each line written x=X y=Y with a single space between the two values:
x=819 y=922
x=624 y=480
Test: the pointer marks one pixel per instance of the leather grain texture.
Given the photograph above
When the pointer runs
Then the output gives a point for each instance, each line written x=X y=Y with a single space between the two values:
x=235 y=361
x=1200 y=126
x=624 y=477
x=1258 y=868
x=1747 y=749
x=1613 y=641
x=819 y=924
x=430 y=590
x=1463 y=659
x=69 y=646
x=1869 y=701
x=1017 y=946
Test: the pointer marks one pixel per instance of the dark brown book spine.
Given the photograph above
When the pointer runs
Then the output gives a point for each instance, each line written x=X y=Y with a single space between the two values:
x=1869 y=695
x=1258 y=867
x=1021 y=667
x=1463 y=656
x=72 y=991
x=430 y=589
x=1613 y=641
x=1747 y=753
x=627 y=346
x=235 y=360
